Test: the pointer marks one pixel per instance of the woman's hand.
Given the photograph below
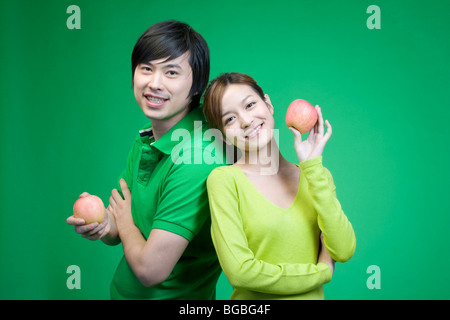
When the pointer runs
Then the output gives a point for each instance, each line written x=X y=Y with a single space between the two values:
x=315 y=143
x=120 y=208
x=324 y=255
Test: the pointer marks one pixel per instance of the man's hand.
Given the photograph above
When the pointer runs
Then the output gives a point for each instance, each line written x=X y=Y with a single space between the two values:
x=92 y=231
x=120 y=208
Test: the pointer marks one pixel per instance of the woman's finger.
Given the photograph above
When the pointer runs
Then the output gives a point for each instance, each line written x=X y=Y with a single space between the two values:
x=329 y=130
x=297 y=134
x=320 y=127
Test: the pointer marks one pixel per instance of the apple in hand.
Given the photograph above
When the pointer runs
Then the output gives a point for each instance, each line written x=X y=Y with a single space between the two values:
x=301 y=115
x=90 y=208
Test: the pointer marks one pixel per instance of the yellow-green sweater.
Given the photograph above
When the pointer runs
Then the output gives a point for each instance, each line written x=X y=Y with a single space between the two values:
x=268 y=252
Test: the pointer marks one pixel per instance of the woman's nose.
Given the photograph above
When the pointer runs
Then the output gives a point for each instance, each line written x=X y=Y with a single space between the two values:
x=246 y=121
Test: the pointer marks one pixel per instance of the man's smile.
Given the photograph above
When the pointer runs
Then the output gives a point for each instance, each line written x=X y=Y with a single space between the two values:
x=155 y=101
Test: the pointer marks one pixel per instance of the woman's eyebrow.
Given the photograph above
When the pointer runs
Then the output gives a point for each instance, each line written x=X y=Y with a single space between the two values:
x=223 y=115
x=249 y=96
x=242 y=101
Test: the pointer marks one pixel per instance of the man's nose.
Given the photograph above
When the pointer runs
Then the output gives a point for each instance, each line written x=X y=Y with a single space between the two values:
x=155 y=81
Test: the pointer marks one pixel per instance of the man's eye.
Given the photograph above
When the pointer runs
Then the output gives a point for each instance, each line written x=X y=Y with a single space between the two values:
x=172 y=73
x=251 y=104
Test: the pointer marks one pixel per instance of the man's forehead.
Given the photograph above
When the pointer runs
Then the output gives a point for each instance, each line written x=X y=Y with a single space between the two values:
x=175 y=62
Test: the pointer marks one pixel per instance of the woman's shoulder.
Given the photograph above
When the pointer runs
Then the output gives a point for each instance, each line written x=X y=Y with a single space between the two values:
x=222 y=171
x=223 y=174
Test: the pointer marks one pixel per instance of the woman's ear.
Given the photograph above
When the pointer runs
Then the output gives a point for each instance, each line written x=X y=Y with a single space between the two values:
x=268 y=103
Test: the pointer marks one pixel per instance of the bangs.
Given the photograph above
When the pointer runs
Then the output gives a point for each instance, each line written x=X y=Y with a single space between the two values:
x=156 y=47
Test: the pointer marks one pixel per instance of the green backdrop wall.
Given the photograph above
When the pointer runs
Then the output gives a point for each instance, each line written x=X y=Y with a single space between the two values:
x=68 y=118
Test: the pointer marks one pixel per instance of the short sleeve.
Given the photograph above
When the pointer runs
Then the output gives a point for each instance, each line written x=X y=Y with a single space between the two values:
x=183 y=206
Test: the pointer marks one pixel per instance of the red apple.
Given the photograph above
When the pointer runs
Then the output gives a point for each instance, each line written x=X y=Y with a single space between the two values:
x=301 y=115
x=89 y=208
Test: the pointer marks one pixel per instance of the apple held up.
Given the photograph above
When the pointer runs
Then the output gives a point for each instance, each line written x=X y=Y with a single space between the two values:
x=89 y=208
x=301 y=115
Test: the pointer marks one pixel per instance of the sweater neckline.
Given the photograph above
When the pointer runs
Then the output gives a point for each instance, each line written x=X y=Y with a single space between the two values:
x=247 y=180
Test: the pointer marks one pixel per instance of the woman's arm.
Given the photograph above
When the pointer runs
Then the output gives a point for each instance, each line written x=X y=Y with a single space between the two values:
x=239 y=263
x=339 y=237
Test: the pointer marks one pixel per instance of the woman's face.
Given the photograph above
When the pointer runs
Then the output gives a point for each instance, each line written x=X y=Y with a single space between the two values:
x=247 y=119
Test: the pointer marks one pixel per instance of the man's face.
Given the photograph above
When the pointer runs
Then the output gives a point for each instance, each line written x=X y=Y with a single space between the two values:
x=161 y=88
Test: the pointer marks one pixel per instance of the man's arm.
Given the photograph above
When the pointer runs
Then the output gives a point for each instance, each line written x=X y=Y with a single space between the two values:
x=151 y=260
x=110 y=235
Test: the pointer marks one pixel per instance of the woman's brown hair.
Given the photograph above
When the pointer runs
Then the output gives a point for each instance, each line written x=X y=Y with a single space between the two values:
x=212 y=101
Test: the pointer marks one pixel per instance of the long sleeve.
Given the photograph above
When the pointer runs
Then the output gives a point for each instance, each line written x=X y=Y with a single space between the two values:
x=238 y=261
x=337 y=230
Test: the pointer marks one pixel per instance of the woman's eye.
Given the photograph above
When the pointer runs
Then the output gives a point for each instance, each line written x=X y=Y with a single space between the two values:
x=172 y=73
x=228 y=120
x=251 y=104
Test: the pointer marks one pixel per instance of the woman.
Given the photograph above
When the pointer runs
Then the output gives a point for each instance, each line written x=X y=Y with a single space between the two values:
x=277 y=227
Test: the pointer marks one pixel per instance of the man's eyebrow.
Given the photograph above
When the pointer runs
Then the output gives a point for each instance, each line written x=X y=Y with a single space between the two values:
x=167 y=66
x=172 y=65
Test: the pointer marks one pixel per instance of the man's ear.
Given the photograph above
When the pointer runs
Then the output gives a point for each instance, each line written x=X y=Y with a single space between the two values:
x=268 y=103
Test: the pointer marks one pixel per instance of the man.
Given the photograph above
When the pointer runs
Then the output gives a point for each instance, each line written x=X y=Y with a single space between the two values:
x=162 y=214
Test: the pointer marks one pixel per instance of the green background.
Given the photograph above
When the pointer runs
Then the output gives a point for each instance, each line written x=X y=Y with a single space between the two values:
x=68 y=119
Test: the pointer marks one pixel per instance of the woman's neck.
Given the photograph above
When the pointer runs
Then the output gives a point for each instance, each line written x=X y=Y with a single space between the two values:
x=264 y=161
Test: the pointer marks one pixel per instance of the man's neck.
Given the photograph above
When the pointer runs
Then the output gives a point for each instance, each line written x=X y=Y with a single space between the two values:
x=162 y=126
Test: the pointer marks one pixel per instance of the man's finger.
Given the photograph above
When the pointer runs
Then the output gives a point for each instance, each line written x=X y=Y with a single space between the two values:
x=125 y=191
x=75 y=221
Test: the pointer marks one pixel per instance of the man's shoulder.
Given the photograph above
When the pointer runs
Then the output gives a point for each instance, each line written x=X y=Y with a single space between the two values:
x=200 y=146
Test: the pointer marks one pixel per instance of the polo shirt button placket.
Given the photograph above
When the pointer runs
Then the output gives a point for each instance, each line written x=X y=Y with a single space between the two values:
x=148 y=162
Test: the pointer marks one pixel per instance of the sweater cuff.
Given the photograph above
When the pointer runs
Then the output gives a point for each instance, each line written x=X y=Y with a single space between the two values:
x=327 y=275
x=311 y=162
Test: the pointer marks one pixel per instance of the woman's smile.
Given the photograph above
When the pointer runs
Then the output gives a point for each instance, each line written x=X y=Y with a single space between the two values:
x=254 y=132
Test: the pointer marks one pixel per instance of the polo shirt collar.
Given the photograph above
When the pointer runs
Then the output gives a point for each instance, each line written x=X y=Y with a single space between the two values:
x=165 y=143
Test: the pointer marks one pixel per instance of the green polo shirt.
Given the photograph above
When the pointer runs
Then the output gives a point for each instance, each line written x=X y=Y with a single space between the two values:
x=167 y=180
